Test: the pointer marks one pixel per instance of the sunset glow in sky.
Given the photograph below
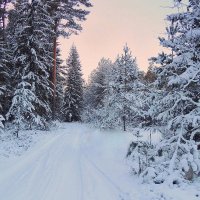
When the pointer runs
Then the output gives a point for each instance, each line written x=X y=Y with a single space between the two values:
x=112 y=23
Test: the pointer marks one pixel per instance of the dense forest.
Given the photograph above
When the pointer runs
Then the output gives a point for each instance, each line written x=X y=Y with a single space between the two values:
x=37 y=87
x=33 y=78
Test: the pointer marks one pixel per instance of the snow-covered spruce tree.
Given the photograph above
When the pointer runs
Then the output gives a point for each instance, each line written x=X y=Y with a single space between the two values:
x=3 y=77
x=60 y=86
x=30 y=106
x=179 y=109
x=73 y=95
x=96 y=89
x=4 y=60
x=118 y=110
x=98 y=82
x=10 y=31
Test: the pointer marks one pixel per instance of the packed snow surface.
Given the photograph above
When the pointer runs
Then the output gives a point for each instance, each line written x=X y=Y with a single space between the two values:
x=75 y=162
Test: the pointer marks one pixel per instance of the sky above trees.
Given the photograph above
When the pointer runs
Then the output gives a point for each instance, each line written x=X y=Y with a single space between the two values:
x=113 y=23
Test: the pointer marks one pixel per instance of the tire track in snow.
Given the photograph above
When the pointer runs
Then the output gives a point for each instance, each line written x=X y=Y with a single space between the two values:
x=81 y=180
x=122 y=195
x=80 y=169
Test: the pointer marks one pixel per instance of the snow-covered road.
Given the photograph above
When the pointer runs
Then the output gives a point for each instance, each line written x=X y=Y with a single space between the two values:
x=60 y=167
x=78 y=163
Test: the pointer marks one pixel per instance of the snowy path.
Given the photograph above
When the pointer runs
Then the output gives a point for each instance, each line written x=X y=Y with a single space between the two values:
x=78 y=163
x=59 y=167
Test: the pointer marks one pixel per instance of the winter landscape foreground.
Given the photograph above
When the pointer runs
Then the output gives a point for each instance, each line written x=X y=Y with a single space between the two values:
x=75 y=162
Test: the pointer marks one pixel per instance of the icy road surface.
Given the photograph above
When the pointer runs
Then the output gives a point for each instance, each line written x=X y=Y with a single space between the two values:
x=77 y=163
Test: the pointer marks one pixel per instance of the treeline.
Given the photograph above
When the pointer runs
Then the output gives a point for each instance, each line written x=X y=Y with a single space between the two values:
x=31 y=82
x=165 y=99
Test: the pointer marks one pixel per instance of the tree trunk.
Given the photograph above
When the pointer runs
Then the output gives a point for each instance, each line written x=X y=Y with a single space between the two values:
x=54 y=76
x=54 y=69
x=124 y=122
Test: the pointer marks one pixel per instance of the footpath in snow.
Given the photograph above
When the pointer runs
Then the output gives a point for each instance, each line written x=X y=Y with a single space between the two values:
x=75 y=162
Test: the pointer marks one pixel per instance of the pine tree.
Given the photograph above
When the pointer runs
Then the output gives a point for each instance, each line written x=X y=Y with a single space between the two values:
x=119 y=108
x=73 y=97
x=98 y=84
x=3 y=76
x=30 y=104
x=60 y=86
x=113 y=95
x=10 y=31
x=177 y=110
x=95 y=91
x=67 y=16
x=4 y=60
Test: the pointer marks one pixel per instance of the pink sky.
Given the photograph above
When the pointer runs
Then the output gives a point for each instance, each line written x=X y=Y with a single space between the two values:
x=111 y=24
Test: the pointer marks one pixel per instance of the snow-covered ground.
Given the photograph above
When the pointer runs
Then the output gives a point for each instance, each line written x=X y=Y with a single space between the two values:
x=75 y=162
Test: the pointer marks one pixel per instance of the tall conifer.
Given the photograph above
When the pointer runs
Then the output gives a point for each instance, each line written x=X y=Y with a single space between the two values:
x=73 y=96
